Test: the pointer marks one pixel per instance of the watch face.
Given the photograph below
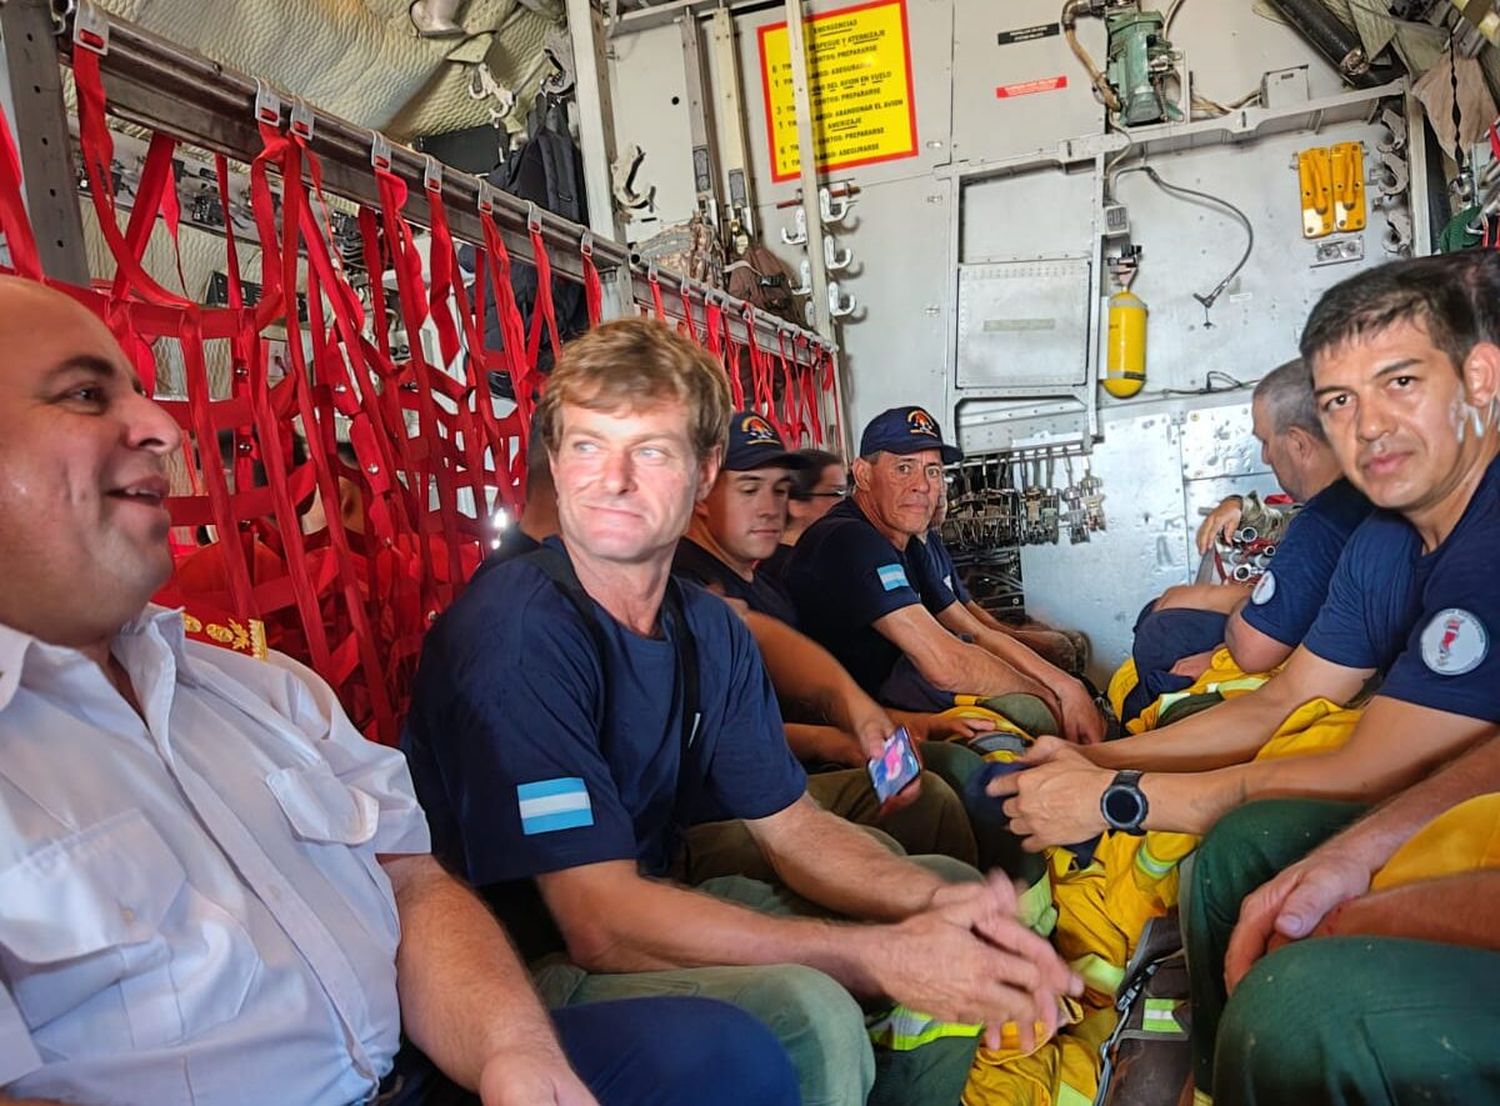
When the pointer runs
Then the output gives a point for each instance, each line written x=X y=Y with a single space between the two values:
x=1122 y=807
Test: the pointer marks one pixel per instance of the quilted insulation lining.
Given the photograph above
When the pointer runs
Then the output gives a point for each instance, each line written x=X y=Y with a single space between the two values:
x=360 y=59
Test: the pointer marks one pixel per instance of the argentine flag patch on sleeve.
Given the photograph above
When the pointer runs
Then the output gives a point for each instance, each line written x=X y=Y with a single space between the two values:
x=892 y=577
x=554 y=805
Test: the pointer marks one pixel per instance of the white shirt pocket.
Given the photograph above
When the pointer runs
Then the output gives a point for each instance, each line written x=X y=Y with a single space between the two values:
x=323 y=810
x=108 y=948
x=321 y=807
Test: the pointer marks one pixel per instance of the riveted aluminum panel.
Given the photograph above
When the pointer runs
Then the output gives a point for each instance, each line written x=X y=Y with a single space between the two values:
x=1023 y=323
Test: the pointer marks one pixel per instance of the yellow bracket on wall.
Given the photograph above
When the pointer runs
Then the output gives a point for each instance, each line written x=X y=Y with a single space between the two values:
x=1315 y=174
x=1348 y=185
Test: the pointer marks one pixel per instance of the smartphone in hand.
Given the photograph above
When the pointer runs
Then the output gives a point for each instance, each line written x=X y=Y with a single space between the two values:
x=895 y=767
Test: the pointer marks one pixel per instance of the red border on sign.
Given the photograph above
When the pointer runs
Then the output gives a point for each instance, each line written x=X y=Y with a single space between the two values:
x=911 y=95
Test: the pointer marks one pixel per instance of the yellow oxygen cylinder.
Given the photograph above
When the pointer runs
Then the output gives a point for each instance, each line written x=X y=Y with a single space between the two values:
x=1125 y=371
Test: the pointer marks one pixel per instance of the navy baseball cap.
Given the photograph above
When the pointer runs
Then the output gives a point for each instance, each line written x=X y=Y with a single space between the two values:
x=754 y=444
x=903 y=430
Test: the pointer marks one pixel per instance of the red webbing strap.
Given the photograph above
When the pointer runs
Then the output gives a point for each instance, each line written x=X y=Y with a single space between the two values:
x=542 y=310
x=689 y=326
x=656 y=301
x=97 y=147
x=810 y=404
x=360 y=622
x=156 y=193
x=391 y=421
x=790 y=420
x=432 y=469
x=593 y=287
x=734 y=355
x=836 y=423
x=190 y=338
x=443 y=265
x=766 y=386
x=513 y=340
x=279 y=260
x=14 y=222
x=241 y=344
x=357 y=402
x=512 y=492
x=358 y=647
x=713 y=322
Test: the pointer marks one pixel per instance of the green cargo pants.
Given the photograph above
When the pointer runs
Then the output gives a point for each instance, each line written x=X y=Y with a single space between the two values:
x=819 y=1023
x=1338 y=1020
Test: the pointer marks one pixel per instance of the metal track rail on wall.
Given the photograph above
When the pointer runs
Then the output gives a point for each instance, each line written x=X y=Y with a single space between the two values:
x=157 y=84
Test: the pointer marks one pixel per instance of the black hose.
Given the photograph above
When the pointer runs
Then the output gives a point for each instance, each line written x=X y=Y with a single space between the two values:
x=1337 y=43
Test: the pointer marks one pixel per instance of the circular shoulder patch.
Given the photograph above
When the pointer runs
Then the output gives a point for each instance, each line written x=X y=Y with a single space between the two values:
x=1454 y=642
x=1265 y=588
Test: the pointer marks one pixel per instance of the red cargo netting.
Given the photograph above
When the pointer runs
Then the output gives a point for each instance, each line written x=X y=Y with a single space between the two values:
x=403 y=452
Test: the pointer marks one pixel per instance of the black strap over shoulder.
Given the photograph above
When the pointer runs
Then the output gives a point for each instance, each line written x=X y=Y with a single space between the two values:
x=559 y=569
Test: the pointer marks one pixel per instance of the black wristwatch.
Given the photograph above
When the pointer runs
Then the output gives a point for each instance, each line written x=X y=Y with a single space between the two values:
x=1124 y=805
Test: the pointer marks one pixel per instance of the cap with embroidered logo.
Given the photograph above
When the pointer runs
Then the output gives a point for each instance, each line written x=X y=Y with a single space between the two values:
x=903 y=430
x=754 y=444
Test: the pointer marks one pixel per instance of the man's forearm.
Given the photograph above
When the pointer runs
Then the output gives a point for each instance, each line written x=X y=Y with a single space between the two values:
x=1452 y=910
x=840 y=867
x=1231 y=732
x=1022 y=658
x=958 y=619
x=1374 y=839
x=1220 y=598
x=823 y=745
x=987 y=620
x=464 y=993
x=626 y=923
x=1193 y=802
x=973 y=670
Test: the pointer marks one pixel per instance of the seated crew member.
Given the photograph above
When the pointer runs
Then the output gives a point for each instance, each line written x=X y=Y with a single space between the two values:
x=1406 y=370
x=816 y=486
x=802 y=671
x=868 y=595
x=1178 y=635
x=731 y=530
x=1064 y=649
x=213 y=887
x=1410 y=1003
x=560 y=744
x=739 y=524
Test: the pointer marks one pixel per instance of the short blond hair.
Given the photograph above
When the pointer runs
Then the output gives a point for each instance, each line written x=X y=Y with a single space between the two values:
x=628 y=364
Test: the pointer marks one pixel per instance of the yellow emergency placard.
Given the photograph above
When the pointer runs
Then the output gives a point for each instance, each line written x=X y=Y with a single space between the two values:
x=859 y=64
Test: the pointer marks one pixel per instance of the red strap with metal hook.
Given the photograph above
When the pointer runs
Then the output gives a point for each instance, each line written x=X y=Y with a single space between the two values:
x=14 y=222
x=593 y=287
x=542 y=311
x=656 y=301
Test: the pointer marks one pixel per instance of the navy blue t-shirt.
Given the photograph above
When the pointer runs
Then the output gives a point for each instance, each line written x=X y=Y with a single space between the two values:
x=844 y=575
x=525 y=765
x=1426 y=620
x=513 y=542
x=1286 y=599
x=774 y=566
x=944 y=571
x=761 y=594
